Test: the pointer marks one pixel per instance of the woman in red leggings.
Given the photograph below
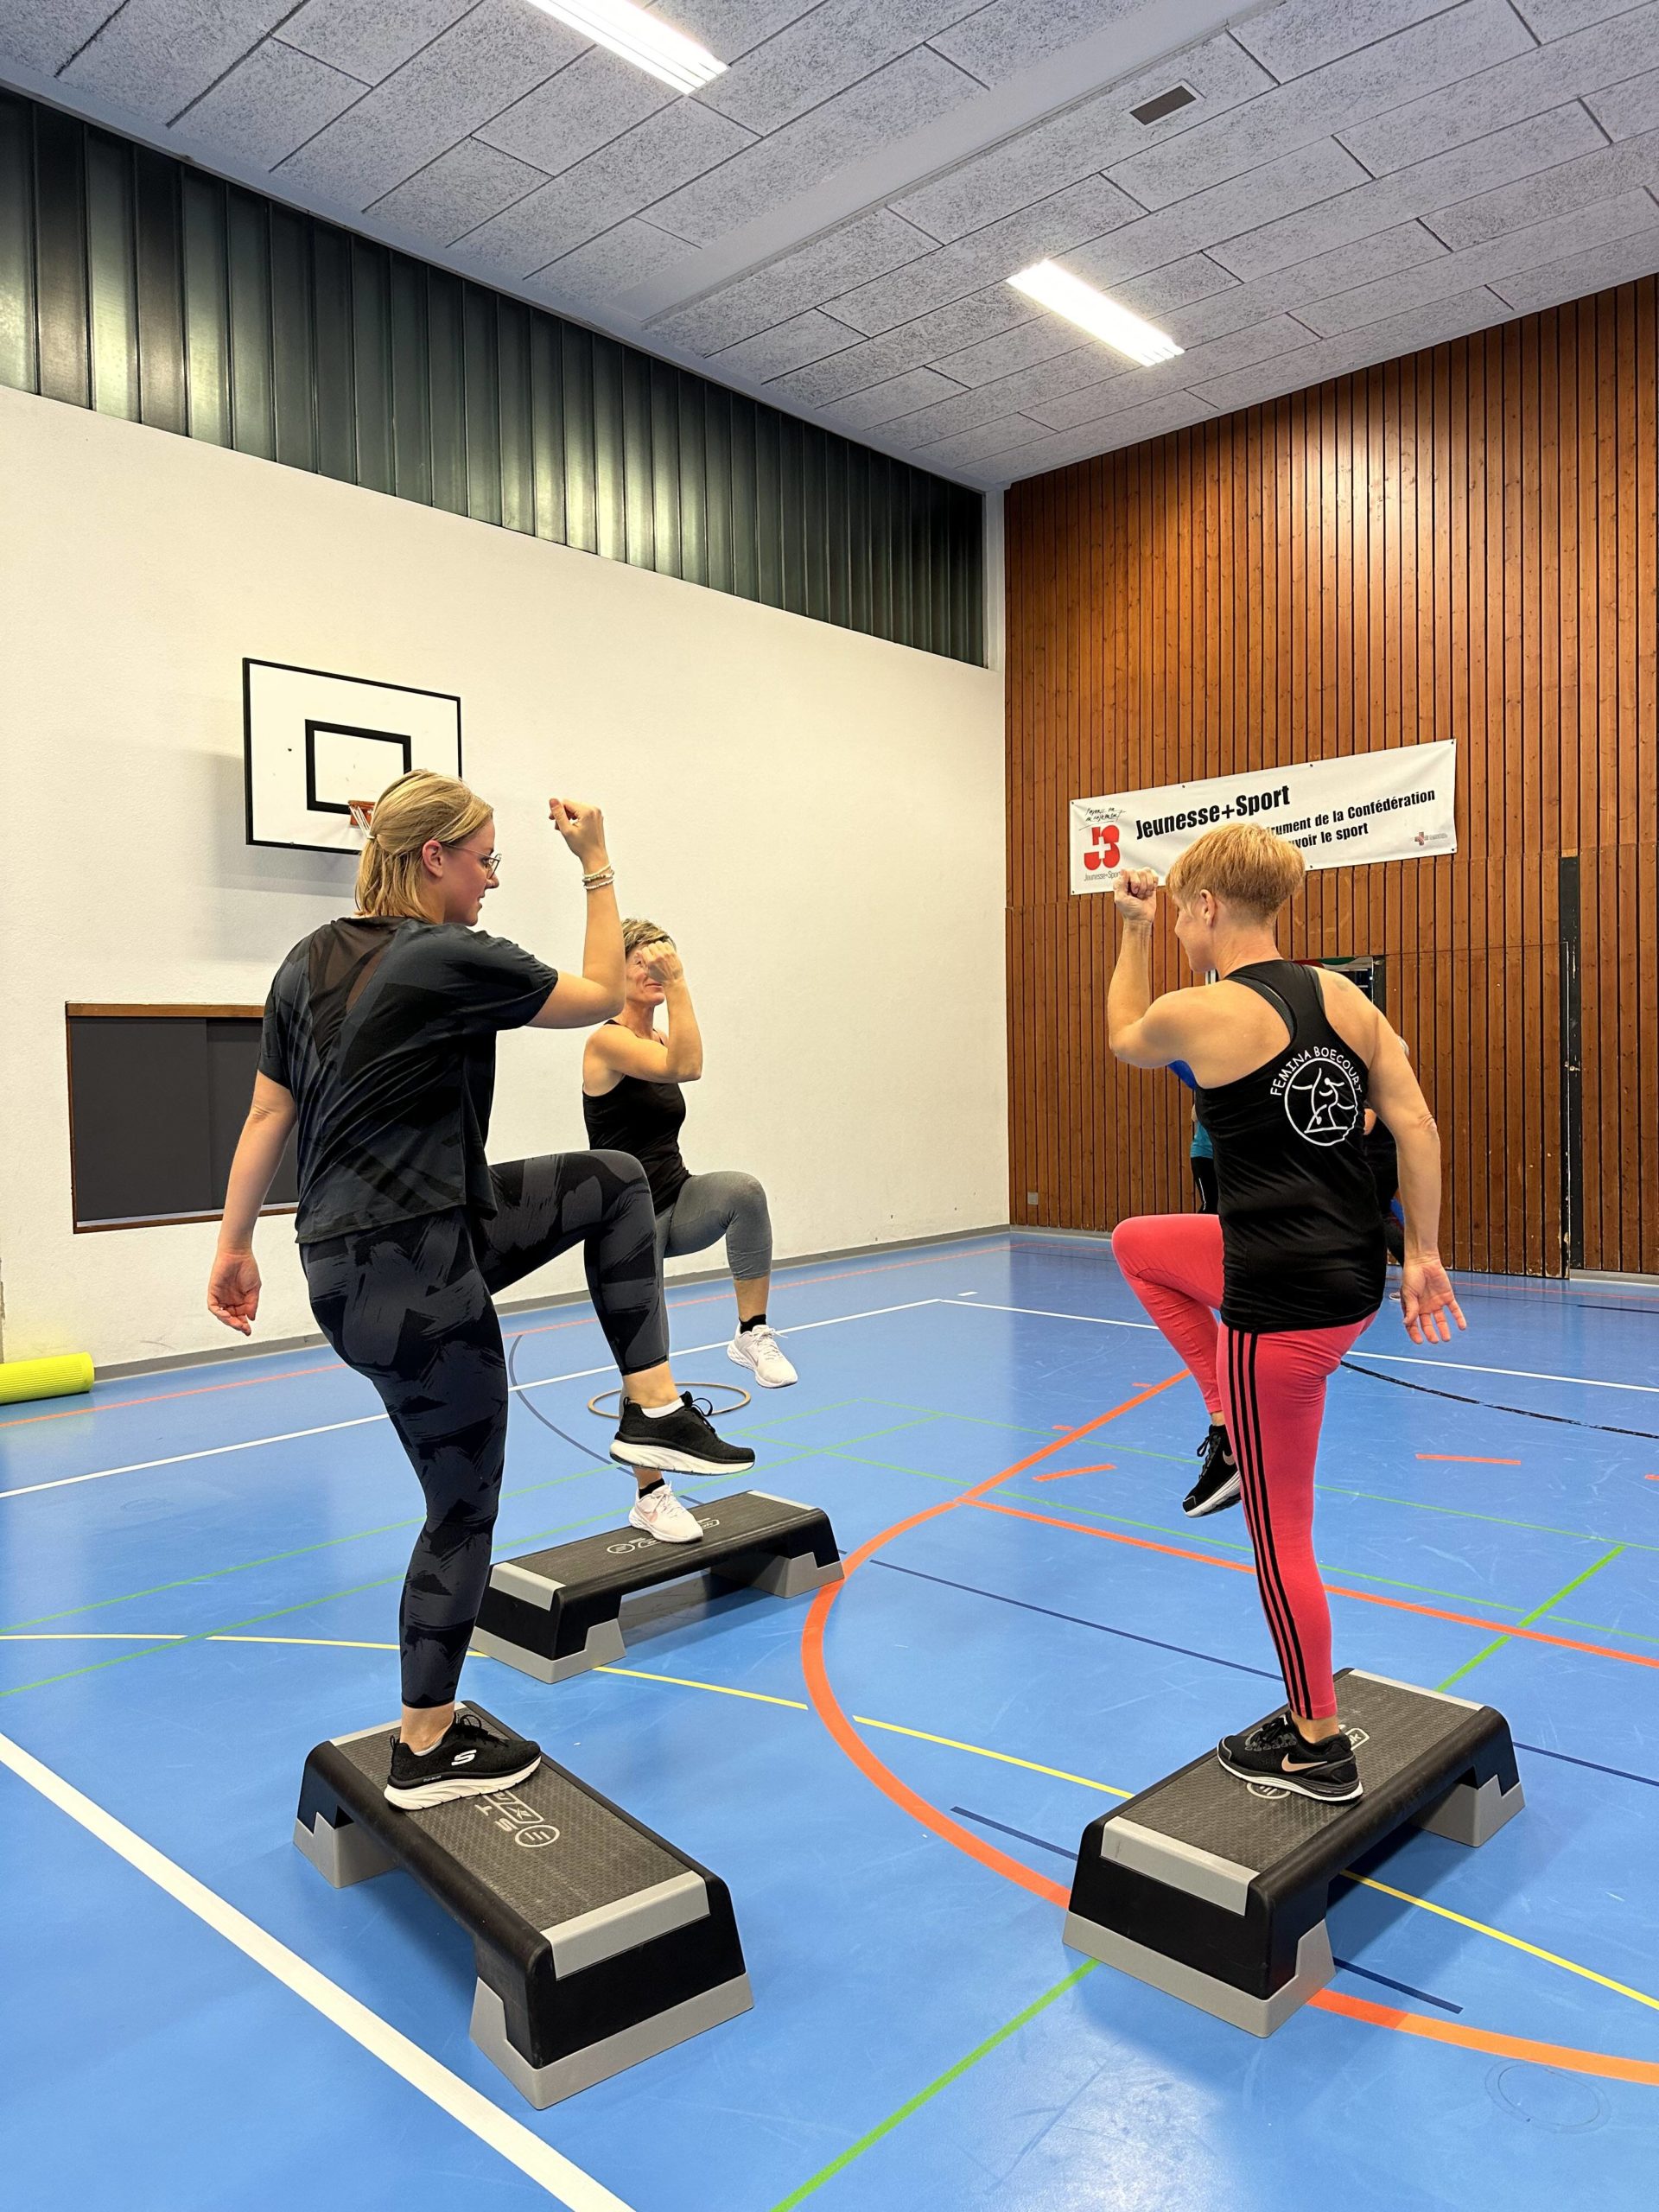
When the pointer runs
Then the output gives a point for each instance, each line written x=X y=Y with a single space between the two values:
x=1285 y=1058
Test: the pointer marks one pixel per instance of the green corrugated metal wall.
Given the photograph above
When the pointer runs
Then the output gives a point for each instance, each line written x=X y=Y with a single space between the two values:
x=134 y=284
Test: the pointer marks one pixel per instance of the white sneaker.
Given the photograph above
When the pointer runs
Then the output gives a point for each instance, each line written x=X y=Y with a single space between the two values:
x=760 y=1350
x=660 y=1514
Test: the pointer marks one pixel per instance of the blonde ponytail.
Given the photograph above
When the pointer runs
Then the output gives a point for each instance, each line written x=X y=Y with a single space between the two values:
x=408 y=815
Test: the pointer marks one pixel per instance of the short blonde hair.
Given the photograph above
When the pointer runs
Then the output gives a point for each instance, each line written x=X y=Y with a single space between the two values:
x=407 y=816
x=1243 y=863
x=637 y=931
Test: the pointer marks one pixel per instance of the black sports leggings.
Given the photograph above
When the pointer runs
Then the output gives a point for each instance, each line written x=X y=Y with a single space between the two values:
x=409 y=1306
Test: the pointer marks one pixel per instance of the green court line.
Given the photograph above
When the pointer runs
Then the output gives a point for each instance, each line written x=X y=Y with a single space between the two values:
x=1537 y=1613
x=1605 y=1628
x=926 y=2096
x=1501 y=1520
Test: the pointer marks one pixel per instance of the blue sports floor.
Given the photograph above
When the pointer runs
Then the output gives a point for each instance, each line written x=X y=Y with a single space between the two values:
x=198 y=1581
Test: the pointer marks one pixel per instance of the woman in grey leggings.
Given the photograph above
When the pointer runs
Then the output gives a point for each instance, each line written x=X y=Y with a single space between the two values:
x=630 y=1079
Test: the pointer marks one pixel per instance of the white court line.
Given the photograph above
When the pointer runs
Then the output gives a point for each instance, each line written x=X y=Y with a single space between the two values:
x=1520 y=1374
x=544 y=2165
x=366 y=1421
x=1043 y=1313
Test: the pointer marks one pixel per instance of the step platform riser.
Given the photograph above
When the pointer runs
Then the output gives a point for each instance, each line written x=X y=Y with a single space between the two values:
x=597 y=1943
x=558 y=1613
x=1216 y=1891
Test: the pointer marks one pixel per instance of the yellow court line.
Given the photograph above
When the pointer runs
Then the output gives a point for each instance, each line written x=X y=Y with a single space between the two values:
x=1516 y=1943
x=921 y=1735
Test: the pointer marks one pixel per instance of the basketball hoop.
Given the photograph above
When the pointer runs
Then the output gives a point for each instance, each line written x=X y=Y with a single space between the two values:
x=362 y=814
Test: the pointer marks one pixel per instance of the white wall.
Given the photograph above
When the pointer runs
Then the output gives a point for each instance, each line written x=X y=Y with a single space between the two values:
x=817 y=815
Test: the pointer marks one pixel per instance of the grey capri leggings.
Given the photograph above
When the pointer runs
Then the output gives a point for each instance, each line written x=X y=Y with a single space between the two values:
x=709 y=1207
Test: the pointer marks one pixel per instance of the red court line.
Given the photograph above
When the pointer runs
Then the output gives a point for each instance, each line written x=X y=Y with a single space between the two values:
x=1331 y=1589
x=1064 y=1474
x=542 y=1329
x=1466 y=1459
x=1605 y=2065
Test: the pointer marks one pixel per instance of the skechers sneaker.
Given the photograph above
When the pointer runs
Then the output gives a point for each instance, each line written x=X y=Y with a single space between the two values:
x=469 y=1761
x=681 y=1443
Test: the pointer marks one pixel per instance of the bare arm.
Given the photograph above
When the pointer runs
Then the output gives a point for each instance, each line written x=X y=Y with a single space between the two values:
x=234 y=1285
x=1425 y=1293
x=1144 y=1031
x=577 y=1002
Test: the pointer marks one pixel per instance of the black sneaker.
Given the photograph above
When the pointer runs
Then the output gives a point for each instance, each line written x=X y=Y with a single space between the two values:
x=1218 y=1484
x=470 y=1760
x=1276 y=1752
x=681 y=1443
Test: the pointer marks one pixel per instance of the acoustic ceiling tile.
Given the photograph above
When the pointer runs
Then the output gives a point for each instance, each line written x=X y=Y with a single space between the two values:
x=366 y=39
x=1328 y=99
x=730 y=28
x=1470 y=104
x=1581 y=274
x=155 y=56
x=1628 y=110
x=1080 y=141
x=1553 y=19
x=457 y=192
x=998 y=40
x=269 y=105
x=963 y=411
x=490 y=58
x=989 y=256
x=619 y=181
x=1022 y=347
x=1176 y=284
x=1422 y=190
x=1001 y=436
x=833 y=46
x=837 y=262
x=1300 y=36
x=44 y=34
x=573 y=114
x=866 y=411
x=1272 y=340
x=1601 y=174
x=908 y=92
x=1134 y=426
x=606 y=265
x=791 y=344
x=930 y=337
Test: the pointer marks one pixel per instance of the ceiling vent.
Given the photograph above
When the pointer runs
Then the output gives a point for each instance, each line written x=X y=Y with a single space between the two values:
x=1154 y=110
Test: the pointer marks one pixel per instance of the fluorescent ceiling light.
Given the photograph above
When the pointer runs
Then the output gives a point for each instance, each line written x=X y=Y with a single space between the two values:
x=1050 y=286
x=639 y=37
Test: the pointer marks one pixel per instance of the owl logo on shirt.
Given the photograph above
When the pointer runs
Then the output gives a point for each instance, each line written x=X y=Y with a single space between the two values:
x=1322 y=1103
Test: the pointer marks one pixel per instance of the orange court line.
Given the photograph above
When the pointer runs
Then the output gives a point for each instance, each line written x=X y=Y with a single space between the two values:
x=1063 y=1474
x=1331 y=1589
x=1467 y=1459
x=1605 y=2065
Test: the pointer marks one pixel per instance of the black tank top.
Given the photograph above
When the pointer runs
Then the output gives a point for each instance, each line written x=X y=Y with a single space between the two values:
x=1301 y=1239
x=644 y=1119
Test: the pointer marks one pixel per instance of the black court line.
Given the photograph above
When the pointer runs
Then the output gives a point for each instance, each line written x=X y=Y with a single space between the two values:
x=1595 y=1765
x=1042 y=1843
x=1077 y=1620
x=1406 y=1988
x=1489 y=1405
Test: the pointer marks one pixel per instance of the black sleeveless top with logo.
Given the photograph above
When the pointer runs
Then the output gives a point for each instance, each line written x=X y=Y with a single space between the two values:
x=1302 y=1241
x=644 y=1119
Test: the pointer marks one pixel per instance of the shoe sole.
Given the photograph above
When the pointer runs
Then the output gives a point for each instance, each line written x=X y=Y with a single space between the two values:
x=664 y=1459
x=1289 y=1782
x=444 y=1793
x=777 y=1382
x=1226 y=1496
x=657 y=1536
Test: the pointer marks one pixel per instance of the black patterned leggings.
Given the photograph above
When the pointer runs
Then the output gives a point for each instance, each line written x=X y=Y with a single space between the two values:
x=410 y=1308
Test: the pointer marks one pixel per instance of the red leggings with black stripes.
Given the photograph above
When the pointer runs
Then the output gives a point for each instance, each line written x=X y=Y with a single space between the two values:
x=1270 y=1391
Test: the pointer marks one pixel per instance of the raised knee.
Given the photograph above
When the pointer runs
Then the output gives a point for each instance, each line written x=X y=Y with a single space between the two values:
x=749 y=1191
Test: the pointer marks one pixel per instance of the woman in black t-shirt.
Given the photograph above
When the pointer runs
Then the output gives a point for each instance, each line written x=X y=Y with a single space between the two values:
x=632 y=1101
x=379 y=1044
x=1285 y=1056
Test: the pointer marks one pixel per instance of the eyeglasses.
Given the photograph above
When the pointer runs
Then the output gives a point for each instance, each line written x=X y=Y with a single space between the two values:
x=490 y=862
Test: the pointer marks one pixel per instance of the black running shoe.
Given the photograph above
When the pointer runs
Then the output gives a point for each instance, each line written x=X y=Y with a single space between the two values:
x=1218 y=1484
x=681 y=1443
x=1276 y=1752
x=470 y=1760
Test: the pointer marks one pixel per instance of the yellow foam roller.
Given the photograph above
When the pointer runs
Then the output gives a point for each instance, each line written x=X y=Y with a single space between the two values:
x=63 y=1377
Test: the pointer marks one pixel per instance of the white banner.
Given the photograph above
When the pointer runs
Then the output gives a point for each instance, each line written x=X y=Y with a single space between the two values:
x=1366 y=806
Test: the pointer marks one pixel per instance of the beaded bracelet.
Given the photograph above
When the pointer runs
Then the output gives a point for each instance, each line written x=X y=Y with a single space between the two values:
x=599 y=880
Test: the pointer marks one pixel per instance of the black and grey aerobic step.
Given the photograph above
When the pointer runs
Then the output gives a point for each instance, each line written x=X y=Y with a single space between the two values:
x=597 y=1943
x=1215 y=1889
x=556 y=1613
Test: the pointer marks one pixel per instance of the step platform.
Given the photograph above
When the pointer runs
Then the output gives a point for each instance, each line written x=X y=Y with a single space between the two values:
x=1215 y=1889
x=597 y=1943
x=556 y=1613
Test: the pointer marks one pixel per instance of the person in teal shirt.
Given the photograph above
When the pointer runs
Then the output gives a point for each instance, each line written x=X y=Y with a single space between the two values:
x=1201 y=1153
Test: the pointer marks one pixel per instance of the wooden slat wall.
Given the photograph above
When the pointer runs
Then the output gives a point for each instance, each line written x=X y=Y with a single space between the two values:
x=1461 y=544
